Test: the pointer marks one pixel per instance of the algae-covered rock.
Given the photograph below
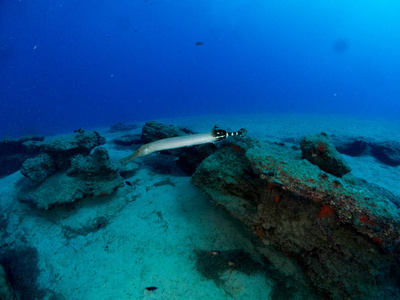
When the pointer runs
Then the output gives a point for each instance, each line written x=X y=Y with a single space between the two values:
x=319 y=150
x=153 y=131
x=95 y=165
x=61 y=189
x=345 y=237
x=61 y=149
x=39 y=168
x=63 y=175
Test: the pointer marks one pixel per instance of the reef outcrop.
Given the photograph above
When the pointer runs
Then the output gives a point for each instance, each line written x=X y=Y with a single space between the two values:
x=69 y=169
x=319 y=150
x=345 y=236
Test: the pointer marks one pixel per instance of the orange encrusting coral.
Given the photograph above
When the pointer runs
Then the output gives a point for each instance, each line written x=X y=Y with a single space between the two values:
x=259 y=233
x=326 y=211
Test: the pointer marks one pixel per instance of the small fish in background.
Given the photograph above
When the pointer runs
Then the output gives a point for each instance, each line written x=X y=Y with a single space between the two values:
x=151 y=288
x=199 y=43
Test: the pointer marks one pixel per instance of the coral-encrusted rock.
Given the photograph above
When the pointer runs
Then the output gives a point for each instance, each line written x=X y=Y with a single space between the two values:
x=74 y=175
x=319 y=150
x=61 y=149
x=189 y=157
x=97 y=164
x=38 y=168
x=61 y=189
x=90 y=176
x=153 y=131
x=345 y=237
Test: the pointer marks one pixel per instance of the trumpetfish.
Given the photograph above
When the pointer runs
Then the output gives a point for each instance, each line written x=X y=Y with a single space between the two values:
x=215 y=135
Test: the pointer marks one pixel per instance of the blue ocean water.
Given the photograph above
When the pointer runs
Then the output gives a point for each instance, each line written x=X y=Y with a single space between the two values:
x=71 y=64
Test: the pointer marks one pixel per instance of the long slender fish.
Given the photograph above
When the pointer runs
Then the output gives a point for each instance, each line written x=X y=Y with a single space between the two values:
x=215 y=135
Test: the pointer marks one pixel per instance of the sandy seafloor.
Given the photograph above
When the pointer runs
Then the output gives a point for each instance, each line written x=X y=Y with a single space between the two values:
x=153 y=228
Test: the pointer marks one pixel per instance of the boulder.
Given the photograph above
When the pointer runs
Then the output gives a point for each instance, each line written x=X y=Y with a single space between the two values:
x=319 y=150
x=63 y=175
x=61 y=149
x=62 y=189
x=96 y=165
x=344 y=236
x=37 y=169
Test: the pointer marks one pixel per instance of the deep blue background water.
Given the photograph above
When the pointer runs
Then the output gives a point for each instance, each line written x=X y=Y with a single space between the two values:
x=70 y=64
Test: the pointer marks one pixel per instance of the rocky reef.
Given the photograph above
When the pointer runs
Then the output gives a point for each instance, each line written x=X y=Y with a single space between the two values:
x=343 y=235
x=69 y=169
x=319 y=150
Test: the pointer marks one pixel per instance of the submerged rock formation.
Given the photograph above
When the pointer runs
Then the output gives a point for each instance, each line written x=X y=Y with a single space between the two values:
x=345 y=237
x=319 y=150
x=69 y=169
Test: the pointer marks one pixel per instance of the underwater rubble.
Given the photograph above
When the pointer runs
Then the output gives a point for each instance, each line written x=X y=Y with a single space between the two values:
x=343 y=235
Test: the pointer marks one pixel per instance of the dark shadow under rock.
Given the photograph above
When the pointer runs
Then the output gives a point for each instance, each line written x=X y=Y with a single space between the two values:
x=212 y=264
x=122 y=127
x=22 y=270
x=61 y=149
x=128 y=140
x=387 y=152
x=13 y=153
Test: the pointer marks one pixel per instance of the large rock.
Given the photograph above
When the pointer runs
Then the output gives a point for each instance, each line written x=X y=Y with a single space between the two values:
x=63 y=175
x=62 y=189
x=345 y=237
x=319 y=150
x=38 y=168
x=61 y=149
